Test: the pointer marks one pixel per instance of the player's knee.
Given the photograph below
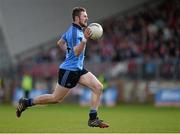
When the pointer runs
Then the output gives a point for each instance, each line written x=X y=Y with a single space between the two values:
x=56 y=99
x=99 y=88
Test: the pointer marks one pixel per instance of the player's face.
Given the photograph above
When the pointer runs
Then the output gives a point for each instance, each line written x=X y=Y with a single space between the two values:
x=83 y=18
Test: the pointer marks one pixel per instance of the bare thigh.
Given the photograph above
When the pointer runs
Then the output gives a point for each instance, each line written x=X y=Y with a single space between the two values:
x=60 y=92
x=91 y=81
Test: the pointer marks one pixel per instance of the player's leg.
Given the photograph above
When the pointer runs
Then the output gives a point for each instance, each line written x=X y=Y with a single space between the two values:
x=95 y=85
x=66 y=80
x=56 y=97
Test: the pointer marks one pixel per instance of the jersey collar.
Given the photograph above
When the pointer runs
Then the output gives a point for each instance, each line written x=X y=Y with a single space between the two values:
x=77 y=26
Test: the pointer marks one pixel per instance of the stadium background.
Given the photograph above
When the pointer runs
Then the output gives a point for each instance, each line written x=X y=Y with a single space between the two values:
x=137 y=59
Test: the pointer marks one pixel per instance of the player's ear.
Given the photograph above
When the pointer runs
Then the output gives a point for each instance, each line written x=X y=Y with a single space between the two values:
x=76 y=18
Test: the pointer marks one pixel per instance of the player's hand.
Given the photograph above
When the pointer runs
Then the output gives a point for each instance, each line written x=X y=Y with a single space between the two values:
x=87 y=33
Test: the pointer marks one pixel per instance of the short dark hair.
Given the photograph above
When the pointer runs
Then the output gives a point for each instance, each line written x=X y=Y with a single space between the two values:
x=77 y=11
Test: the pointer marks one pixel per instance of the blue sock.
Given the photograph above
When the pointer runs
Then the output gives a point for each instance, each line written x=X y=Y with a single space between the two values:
x=93 y=114
x=30 y=102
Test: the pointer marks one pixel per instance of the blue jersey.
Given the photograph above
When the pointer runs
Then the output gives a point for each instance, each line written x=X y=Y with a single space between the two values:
x=73 y=36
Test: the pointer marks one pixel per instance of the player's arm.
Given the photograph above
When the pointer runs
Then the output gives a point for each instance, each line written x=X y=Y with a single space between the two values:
x=62 y=44
x=80 y=47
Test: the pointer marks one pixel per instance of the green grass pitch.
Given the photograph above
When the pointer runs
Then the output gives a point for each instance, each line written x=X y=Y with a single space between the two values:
x=73 y=119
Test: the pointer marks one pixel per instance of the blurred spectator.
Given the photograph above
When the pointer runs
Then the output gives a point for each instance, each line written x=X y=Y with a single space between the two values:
x=149 y=68
x=27 y=84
